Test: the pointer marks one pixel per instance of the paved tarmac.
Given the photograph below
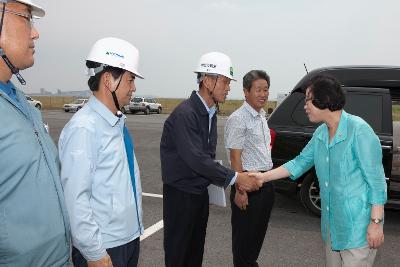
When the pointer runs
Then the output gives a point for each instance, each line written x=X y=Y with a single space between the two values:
x=293 y=237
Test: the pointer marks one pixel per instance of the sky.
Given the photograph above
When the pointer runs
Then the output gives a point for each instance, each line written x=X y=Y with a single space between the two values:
x=171 y=35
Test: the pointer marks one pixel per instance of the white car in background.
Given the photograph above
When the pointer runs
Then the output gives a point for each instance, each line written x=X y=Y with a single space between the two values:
x=36 y=103
x=145 y=104
x=76 y=105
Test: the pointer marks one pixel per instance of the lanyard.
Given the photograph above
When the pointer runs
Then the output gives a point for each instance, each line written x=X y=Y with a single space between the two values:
x=129 y=152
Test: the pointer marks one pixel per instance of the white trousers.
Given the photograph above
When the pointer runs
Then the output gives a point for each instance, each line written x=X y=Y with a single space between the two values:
x=356 y=257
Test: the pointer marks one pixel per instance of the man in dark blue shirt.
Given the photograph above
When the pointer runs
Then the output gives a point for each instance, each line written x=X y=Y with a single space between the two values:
x=188 y=147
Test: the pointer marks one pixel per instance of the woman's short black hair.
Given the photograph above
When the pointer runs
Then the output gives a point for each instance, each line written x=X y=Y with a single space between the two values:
x=94 y=81
x=326 y=92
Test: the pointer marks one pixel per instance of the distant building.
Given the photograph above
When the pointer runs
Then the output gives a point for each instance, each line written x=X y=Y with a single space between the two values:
x=80 y=94
x=59 y=92
x=45 y=92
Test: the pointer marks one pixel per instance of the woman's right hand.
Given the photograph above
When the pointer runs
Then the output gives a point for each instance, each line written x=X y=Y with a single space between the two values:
x=271 y=175
x=259 y=176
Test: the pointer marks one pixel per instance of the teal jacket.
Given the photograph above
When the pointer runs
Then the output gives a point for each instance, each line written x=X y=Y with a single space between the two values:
x=351 y=179
x=34 y=227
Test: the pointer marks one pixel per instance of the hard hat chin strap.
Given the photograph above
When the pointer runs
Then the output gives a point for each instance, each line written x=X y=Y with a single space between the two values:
x=211 y=93
x=115 y=98
x=13 y=69
x=119 y=113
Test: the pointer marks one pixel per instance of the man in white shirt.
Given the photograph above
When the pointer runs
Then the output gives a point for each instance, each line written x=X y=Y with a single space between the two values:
x=247 y=141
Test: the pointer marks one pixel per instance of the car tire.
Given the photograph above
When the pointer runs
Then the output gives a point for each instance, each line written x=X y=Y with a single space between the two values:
x=309 y=194
x=38 y=106
x=66 y=110
x=123 y=110
x=159 y=110
x=78 y=108
x=147 y=111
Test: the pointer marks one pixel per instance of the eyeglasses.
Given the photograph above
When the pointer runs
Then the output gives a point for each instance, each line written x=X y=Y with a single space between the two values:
x=28 y=17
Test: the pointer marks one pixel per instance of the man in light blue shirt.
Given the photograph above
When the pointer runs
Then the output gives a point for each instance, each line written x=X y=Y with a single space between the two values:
x=99 y=173
x=34 y=227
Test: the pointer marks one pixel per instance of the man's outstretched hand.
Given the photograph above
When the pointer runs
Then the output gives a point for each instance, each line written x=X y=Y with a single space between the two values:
x=247 y=183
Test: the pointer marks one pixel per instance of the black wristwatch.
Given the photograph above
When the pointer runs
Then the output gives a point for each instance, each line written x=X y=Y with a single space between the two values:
x=376 y=220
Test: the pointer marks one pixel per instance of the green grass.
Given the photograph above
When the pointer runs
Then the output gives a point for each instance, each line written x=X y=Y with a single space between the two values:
x=168 y=104
x=224 y=109
x=56 y=102
x=396 y=112
x=231 y=105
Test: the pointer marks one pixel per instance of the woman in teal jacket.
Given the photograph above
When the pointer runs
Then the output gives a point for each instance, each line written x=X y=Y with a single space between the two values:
x=347 y=157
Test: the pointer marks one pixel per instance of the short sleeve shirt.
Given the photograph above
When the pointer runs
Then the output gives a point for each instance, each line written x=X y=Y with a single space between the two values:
x=247 y=129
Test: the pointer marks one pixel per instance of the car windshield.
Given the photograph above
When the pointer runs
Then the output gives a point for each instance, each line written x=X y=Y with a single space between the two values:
x=137 y=100
x=78 y=101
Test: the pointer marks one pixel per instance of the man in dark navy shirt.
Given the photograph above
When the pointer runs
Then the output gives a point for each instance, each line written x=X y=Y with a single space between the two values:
x=187 y=149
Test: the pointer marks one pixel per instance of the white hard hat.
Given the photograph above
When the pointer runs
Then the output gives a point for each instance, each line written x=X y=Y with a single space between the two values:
x=36 y=10
x=115 y=52
x=215 y=63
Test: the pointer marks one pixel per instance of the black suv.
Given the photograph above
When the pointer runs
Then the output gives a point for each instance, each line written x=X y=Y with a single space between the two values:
x=370 y=92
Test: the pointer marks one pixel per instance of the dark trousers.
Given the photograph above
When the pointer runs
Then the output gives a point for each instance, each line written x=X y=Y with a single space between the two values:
x=249 y=226
x=185 y=222
x=122 y=256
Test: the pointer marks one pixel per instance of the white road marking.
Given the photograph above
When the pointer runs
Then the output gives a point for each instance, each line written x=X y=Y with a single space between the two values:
x=155 y=227
x=152 y=229
x=152 y=195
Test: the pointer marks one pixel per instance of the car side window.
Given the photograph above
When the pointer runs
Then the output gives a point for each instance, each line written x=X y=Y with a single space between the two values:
x=367 y=106
x=299 y=114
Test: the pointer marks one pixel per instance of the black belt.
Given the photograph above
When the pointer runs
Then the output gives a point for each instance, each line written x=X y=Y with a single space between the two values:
x=255 y=171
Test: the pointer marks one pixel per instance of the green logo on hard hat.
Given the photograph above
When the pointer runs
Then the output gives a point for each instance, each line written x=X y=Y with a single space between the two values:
x=231 y=71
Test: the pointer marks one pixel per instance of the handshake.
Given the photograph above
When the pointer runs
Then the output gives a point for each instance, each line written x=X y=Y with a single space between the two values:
x=246 y=181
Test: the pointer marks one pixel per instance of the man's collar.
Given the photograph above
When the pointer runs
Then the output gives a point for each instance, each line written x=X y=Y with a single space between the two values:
x=211 y=111
x=103 y=111
x=252 y=111
x=7 y=87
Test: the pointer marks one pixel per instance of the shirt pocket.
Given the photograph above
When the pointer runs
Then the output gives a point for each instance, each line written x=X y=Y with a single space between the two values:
x=341 y=220
x=359 y=210
x=256 y=135
x=123 y=215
